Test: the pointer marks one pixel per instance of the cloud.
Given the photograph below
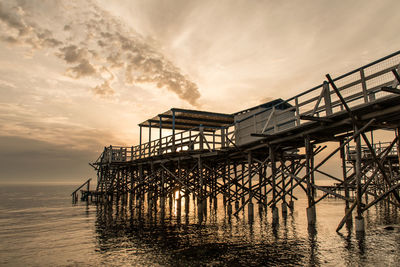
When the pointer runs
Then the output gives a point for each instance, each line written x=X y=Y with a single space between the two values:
x=72 y=54
x=104 y=89
x=84 y=68
x=15 y=29
x=92 y=39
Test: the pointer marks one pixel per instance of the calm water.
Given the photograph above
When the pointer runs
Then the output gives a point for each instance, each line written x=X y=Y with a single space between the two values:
x=40 y=227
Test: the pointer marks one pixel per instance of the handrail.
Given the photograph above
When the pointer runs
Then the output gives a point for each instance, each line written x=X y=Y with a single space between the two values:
x=87 y=182
x=321 y=85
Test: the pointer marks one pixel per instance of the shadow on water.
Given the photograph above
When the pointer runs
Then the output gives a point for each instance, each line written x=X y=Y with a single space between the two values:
x=221 y=241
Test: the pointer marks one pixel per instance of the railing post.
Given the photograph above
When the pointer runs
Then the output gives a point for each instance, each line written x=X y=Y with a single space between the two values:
x=190 y=140
x=275 y=119
x=201 y=136
x=111 y=154
x=149 y=138
x=131 y=153
x=296 y=101
x=364 y=85
x=160 y=143
x=173 y=131
x=327 y=98
x=140 y=142
x=213 y=139
x=237 y=138
x=223 y=137
x=181 y=141
x=254 y=123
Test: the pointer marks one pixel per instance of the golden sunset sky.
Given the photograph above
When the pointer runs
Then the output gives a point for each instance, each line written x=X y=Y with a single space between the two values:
x=76 y=76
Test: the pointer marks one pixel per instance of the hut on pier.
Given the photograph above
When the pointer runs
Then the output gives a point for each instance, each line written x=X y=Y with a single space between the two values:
x=263 y=119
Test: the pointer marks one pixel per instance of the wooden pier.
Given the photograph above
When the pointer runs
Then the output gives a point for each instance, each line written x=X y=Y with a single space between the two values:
x=261 y=154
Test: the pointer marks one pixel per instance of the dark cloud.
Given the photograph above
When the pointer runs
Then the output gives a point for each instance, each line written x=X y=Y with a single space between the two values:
x=96 y=40
x=22 y=32
x=115 y=60
x=73 y=54
x=13 y=19
x=47 y=39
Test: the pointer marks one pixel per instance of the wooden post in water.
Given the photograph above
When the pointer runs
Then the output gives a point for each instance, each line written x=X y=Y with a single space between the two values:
x=284 y=204
x=275 y=212
x=236 y=187
x=292 y=170
x=250 y=204
x=178 y=200
x=200 y=197
x=345 y=180
x=265 y=178
x=311 y=214
x=141 y=190
x=260 y=190
x=162 y=197
x=242 y=178
x=359 y=218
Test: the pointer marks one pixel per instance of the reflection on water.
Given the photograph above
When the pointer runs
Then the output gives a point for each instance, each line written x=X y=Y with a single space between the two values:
x=39 y=227
x=216 y=242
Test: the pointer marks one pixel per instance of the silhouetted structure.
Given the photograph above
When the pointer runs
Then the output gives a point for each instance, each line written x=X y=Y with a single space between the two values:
x=254 y=155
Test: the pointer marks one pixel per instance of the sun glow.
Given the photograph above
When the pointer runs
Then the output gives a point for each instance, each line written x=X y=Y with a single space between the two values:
x=177 y=194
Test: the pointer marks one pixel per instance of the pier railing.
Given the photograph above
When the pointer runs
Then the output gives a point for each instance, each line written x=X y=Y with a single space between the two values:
x=194 y=139
x=378 y=147
x=361 y=86
x=75 y=193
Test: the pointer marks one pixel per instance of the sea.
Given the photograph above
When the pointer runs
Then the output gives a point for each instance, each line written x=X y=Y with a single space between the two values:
x=40 y=226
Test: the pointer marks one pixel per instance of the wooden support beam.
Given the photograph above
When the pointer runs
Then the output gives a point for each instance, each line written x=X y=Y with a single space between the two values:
x=391 y=90
x=380 y=165
x=312 y=118
x=382 y=196
x=260 y=135
x=333 y=153
x=383 y=156
x=342 y=100
x=396 y=75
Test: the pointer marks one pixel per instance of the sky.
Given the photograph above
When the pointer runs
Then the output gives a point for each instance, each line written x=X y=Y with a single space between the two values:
x=76 y=76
